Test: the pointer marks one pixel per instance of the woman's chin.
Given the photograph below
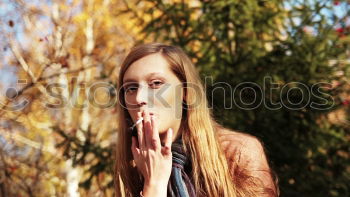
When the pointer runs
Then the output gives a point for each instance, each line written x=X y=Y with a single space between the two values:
x=162 y=131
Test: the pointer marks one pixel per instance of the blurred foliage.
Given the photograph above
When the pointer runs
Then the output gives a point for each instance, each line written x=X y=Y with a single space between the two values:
x=61 y=52
x=294 y=54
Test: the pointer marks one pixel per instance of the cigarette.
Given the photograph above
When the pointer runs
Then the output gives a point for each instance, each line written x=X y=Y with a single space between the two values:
x=137 y=122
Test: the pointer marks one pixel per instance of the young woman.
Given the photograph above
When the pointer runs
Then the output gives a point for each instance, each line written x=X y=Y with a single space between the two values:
x=177 y=149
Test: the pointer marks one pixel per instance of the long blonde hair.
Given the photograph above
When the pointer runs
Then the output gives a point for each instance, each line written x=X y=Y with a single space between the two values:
x=210 y=171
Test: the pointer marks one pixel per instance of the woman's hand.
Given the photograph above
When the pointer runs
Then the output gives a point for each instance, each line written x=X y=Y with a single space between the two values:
x=153 y=160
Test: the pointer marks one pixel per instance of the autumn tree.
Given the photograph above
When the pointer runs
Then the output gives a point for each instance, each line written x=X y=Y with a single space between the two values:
x=63 y=54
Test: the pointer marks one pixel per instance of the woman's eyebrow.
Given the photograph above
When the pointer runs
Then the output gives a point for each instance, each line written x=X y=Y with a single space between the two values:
x=147 y=76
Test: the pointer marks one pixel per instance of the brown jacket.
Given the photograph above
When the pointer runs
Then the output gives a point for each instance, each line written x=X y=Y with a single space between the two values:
x=246 y=159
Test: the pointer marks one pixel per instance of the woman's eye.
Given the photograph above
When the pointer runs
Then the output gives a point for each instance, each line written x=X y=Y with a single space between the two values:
x=156 y=84
x=130 y=89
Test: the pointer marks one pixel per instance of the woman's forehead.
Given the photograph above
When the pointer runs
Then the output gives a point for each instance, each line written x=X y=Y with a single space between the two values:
x=148 y=66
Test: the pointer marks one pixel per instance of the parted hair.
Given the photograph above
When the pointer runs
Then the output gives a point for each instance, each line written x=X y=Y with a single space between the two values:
x=210 y=169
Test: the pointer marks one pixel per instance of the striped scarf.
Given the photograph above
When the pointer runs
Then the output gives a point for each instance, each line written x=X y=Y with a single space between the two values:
x=179 y=184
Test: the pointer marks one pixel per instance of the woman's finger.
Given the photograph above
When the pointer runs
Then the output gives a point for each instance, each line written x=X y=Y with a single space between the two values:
x=135 y=151
x=166 y=150
x=140 y=133
x=155 y=133
x=151 y=135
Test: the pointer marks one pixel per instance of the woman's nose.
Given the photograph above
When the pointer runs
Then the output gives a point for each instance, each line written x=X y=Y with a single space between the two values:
x=142 y=96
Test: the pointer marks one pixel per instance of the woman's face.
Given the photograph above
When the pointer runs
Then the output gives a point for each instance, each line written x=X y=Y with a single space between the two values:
x=150 y=85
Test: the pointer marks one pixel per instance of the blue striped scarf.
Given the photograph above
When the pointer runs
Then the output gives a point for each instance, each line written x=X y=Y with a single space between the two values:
x=180 y=184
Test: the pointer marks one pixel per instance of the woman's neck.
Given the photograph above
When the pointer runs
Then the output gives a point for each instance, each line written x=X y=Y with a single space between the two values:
x=176 y=133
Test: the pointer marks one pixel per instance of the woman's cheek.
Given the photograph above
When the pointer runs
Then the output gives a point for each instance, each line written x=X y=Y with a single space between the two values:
x=169 y=108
